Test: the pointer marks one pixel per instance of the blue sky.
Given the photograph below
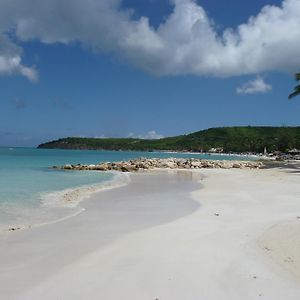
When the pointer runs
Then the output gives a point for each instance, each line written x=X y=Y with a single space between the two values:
x=76 y=82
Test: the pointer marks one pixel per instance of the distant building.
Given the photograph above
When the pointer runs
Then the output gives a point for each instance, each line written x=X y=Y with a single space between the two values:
x=216 y=150
x=294 y=151
x=265 y=151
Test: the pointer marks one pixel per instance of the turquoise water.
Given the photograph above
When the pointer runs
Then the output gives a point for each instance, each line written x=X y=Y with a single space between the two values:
x=31 y=192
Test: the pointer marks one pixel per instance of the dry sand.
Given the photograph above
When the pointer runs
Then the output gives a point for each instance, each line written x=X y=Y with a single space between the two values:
x=165 y=236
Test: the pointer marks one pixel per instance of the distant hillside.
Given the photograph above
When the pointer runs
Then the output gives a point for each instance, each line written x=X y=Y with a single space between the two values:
x=231 y=139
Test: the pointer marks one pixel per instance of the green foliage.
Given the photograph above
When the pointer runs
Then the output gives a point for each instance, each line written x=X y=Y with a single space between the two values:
x=231 y=139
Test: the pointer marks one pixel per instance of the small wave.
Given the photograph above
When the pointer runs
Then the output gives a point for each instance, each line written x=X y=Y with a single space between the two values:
x=73 y=196
x=59 y=205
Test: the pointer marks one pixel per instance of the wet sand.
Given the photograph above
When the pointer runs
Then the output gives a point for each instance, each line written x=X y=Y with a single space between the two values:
x=166 y=235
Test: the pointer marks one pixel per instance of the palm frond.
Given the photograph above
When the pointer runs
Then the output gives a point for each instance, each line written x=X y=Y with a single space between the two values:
x=295 y=93
x=297 y=76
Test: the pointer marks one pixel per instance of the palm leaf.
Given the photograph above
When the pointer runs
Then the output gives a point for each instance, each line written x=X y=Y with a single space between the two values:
x=297 y=76
x=295 y=93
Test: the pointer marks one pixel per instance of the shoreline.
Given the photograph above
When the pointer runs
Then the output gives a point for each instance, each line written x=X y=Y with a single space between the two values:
x=69 y=198
x=164 y=236
x=101 y=215
x=254 y=156
x=72 y=197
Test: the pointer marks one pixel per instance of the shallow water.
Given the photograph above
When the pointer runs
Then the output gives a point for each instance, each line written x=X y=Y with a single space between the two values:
x=33 y=193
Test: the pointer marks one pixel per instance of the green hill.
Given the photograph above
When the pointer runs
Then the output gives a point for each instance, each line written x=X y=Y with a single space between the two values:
x=231 y=139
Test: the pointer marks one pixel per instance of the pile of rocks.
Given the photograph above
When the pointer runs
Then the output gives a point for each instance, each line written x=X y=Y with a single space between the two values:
x=165 y=163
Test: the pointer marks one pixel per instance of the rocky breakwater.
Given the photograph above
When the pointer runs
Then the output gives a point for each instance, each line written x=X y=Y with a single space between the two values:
x=165 y=163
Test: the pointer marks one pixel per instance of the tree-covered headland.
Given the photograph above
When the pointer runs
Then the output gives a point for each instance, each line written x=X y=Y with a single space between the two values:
x=229 y=139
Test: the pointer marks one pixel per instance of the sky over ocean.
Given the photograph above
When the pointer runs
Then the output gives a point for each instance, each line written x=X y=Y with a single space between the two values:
x=146 y=68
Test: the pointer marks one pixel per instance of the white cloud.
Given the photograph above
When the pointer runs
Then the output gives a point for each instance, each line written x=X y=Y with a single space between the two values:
x=30 y=73
x=254 y=86
x=11 y=65
x=186 y=43
x=150 y=135
x=10 y=60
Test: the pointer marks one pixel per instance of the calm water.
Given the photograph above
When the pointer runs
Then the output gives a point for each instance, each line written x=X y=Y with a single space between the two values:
x=31 y=192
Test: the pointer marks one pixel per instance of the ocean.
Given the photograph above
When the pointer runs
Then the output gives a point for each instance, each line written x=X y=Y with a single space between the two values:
x=32 y=193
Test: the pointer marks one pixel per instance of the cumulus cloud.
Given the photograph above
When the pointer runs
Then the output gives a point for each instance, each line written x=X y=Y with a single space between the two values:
x=255 y=86
x=185 y=43
x=150 y=135
x=10 y=60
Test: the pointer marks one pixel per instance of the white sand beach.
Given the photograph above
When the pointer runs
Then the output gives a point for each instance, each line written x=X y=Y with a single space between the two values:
x=167 y=235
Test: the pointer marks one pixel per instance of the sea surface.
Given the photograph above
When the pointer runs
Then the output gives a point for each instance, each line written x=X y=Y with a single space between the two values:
x=32 y=193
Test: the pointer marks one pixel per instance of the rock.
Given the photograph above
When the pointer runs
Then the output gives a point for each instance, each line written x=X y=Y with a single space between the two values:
x=68 y=167
x=164 y=163
x=102 y=167
x=236 y=165
x=124 y=169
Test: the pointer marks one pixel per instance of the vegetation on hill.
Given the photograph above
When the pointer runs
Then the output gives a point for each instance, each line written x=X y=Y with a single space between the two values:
x=231 y=139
